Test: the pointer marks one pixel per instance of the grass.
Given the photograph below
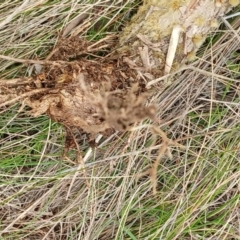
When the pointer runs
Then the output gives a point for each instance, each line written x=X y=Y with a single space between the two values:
x=198 y=187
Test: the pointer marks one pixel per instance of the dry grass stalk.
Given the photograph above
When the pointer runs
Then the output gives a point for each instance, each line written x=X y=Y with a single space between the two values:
x=195 y=186
x=163 y=151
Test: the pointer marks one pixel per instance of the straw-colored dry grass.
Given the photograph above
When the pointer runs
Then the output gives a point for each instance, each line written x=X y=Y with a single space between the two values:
x=45 y=196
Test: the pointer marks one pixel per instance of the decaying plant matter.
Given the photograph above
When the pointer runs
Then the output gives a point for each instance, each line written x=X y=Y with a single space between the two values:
x=87 y=94
x=102 y=187
x=104 y=93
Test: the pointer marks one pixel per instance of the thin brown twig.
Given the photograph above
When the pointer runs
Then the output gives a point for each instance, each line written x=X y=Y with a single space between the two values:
x=166 y=142
x=153 y=170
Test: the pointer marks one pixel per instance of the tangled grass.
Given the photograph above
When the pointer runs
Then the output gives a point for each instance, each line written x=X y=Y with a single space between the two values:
x=46 y=196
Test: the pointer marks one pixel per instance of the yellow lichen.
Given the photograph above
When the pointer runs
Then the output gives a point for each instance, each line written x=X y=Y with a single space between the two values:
x=214 y=23
x=176 y=4
x=218 y=3
x=191 y=56
x=198 y=40
x=234 y=3
x=200 y=21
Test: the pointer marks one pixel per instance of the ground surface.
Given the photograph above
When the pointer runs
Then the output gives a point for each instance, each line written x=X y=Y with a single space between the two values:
x=45 y=193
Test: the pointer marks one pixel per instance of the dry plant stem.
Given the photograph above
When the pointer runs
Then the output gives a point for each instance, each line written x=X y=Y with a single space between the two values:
x=217 y=101
x=153 y=170
x=73 y=24
x=211 y=74
x=90 y=150
x=157 y=80
x=81 y=166
x=29 y=61
x=172 y=48
x=147 y=149
x=11 y=16
x=24 y=213
x=89 y=49
x=164 y=150
x=232 y=15
x=14 y=82
x=231 y=28
x=186 y=67
x=24 y=95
